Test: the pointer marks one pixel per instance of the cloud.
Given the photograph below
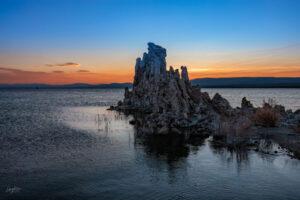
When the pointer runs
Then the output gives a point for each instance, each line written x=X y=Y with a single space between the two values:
x=58 y=72
x=12 y=76
x=67 y=64
x=70 y=64
x=83 y=71
x=50 y=65
x=13 y=71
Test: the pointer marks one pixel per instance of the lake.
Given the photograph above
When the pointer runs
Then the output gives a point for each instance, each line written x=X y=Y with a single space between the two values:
x=64 y=144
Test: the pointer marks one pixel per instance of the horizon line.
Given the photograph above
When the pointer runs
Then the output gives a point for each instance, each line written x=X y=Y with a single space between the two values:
x=132 y=82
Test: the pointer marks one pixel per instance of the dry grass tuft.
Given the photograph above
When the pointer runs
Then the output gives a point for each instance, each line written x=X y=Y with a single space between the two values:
x=266 y=116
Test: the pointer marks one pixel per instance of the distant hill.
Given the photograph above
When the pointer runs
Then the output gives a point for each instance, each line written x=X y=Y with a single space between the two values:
x=247 y=82
x=242 y=82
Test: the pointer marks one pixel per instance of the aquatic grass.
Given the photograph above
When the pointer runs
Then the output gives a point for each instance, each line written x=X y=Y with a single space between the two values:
x=234 y=132
x=235 y=126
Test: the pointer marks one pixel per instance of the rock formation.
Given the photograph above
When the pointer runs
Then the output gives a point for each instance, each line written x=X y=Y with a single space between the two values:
x=166 y=95
x=164 y=100
x=157 y=90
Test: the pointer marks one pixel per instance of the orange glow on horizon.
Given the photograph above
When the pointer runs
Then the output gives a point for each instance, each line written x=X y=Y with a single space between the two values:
x=117 y=66
x=16 y=76
x=223 y=73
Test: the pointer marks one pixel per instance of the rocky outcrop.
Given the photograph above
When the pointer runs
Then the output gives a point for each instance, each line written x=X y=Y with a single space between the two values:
x=247 y=107
x=158 y=90
x=166 y=95
x=221 y=105
x=245 y=104
x=167 y=103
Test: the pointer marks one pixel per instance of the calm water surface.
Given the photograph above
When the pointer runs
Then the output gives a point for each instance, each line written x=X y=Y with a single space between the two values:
x=64 y=144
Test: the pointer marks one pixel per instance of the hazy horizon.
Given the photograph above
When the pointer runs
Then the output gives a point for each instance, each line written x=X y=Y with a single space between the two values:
x=33 y=83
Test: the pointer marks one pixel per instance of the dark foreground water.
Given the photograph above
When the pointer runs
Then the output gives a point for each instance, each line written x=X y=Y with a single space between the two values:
x=63 y=144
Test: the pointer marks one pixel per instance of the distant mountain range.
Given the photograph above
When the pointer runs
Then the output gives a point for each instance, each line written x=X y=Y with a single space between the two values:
x=247 y=82
x=242 y=82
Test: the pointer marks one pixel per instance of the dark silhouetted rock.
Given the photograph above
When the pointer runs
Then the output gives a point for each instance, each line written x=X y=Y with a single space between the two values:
x=246 y=104
x=166 y=95
x=221 y=105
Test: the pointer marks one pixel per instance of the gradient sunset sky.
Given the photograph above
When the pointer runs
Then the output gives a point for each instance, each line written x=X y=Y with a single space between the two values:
x=70 y=41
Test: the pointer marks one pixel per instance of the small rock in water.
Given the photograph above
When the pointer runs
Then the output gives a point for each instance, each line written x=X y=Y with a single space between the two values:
x=246 y=104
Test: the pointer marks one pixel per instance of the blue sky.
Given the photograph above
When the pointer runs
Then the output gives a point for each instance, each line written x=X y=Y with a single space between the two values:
x=53 y=29
x=76 y=23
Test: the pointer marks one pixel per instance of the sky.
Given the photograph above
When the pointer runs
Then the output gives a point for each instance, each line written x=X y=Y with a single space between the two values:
x=86 y=41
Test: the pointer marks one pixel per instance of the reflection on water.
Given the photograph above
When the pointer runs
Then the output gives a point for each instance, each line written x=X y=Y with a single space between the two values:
x=167 y=148
x=238 y=155
x=61 y=150
x=172 y=148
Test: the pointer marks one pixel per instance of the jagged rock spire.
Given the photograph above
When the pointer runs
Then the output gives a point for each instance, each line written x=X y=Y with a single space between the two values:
x=153 y=62
x=165 y=95
x=159 y=90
